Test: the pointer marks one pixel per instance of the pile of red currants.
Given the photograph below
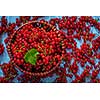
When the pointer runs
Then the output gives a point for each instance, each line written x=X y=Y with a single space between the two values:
x=36 y=48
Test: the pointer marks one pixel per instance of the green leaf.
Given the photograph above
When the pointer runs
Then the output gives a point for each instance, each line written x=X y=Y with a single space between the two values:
x=31 y=56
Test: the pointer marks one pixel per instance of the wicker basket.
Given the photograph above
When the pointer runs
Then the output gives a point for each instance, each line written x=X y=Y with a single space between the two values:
x=36 y=24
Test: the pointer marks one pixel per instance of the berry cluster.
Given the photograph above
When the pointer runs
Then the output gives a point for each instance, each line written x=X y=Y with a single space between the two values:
x=45 y=39
x=78 y=29
x=9 y=73
x=3 y=27
x=1 y=49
